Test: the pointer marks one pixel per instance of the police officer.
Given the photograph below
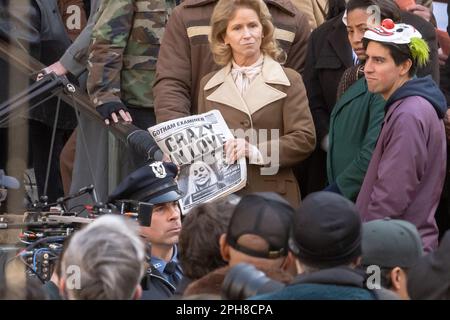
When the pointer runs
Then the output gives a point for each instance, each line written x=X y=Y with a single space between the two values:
x=155 y=183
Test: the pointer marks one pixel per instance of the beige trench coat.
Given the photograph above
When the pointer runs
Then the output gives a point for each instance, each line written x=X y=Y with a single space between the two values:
x=276 y=99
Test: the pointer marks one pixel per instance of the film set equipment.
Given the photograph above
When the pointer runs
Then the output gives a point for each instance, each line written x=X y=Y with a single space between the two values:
x=44 y=229
x=52 y=85
x=41 y=241
x=43 y=233
x=141 y=211
x=140 y=140
x=47 y=225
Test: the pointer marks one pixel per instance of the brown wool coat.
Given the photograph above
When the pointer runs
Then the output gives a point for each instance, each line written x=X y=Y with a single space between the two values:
x=315 y=10
x=276 y=99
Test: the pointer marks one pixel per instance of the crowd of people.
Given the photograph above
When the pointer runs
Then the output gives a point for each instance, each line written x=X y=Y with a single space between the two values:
x=357 y=92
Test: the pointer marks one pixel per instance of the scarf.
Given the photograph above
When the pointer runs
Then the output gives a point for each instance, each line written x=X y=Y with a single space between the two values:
x=243 y=76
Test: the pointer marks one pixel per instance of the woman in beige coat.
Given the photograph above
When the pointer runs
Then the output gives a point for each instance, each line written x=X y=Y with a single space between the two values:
x=255 y=93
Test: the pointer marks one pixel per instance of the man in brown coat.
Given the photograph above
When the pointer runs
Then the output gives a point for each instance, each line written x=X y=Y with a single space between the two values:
x=185 y=56
x=315 y=10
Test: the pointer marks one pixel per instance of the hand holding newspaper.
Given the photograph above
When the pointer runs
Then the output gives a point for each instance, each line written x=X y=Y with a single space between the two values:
x=196 y=145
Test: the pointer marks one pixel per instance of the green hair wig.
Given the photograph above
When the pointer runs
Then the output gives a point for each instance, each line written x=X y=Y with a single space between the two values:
x=420 y=51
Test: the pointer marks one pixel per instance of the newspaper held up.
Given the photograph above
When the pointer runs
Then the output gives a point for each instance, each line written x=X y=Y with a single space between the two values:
x=196 y=145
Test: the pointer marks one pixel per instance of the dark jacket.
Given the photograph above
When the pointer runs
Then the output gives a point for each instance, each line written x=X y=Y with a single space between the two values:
x=52 y=290
x=340 y=283
x=181 y=287
x=155 y=286
x=37 y=27
x=329 y=55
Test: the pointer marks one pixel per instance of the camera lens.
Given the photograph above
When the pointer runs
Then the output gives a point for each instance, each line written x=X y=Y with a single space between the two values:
x=245 y=280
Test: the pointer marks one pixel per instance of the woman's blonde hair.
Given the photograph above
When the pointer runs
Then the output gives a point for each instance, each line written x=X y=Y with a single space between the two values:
x=224 y=11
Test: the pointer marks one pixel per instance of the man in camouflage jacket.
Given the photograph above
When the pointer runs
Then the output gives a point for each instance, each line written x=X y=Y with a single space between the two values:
x=121 y=63
x=122 y=59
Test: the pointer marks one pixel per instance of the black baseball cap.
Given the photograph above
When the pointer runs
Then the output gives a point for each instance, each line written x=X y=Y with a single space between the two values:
x=264 y=214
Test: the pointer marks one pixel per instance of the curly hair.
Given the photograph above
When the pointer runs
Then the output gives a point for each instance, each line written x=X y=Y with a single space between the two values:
x=387 y=8
x=224 y=11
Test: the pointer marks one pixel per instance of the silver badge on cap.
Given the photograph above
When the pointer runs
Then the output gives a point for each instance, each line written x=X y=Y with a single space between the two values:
x=158 y=169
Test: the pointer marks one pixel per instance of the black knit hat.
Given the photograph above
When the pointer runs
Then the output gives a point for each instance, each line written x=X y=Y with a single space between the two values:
x=267 y=215
x=326 y=230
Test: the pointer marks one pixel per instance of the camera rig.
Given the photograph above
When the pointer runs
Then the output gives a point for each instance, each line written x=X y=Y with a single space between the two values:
x=46 y=227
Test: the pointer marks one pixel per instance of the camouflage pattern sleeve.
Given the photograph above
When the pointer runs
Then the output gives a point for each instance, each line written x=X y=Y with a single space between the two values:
x=141 y=54
x=109 y=40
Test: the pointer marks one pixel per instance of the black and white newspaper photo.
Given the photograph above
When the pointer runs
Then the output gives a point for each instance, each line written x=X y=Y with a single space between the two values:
x=196 y=145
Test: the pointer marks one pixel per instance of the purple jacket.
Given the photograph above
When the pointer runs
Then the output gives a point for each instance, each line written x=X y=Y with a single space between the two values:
x=407 y=170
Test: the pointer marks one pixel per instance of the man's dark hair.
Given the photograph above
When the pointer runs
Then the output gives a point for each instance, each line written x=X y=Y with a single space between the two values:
x=388 y=8
x=199 y=238
x=309 y=267
x=399 y=52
